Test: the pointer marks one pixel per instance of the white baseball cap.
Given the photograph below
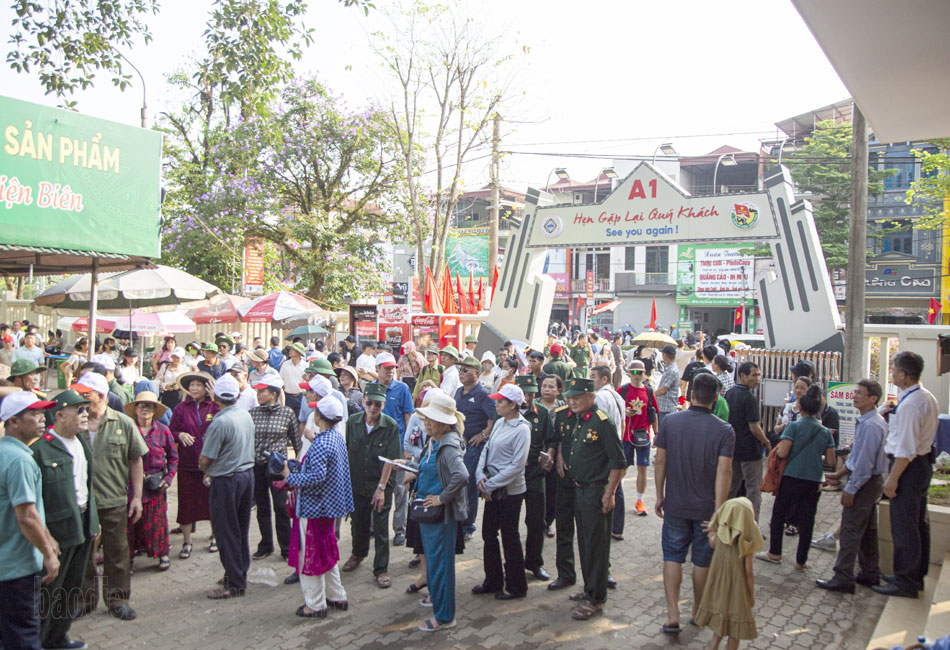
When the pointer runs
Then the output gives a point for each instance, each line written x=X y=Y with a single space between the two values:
x=318 y=384
x=179 y=352
x=510 y=392
x=92 y=381
x=386 y=360
x=235 y=335
x=331 y=409
x=226 y=387
x=269 y=381
x=104 y=360
x=16 y=403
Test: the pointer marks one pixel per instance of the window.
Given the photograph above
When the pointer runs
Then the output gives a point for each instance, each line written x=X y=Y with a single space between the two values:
x=903 y=164
x=899 y=237
x=629 y=258
x=603 y=266
x=658 y=259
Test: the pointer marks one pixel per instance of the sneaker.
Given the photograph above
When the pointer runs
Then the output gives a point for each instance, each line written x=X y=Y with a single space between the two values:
x=641 y=509
x=825 y=543
x=399 y=540
x=469 y=536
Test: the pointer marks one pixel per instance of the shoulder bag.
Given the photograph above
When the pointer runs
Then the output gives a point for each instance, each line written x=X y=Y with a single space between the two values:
x=775 y=468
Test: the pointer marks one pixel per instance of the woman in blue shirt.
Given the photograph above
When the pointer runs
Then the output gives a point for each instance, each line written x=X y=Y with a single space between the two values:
x=805 y=443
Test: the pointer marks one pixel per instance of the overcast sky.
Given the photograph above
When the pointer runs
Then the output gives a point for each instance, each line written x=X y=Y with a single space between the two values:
x=606 y=78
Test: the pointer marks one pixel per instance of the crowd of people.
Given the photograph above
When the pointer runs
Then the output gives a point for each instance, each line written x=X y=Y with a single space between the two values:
x=407 y=443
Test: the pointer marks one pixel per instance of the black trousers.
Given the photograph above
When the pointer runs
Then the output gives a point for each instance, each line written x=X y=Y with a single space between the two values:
x=230 y=500
x=264 y=494
x=859 y=534
x=503 y=515
x=550 y=496
x=61 y=599
x=800 y=499
x=19 y=613
x=534 y=513
x=564 y=558
x=363 y=516
x=910 y=525
x=593 y=540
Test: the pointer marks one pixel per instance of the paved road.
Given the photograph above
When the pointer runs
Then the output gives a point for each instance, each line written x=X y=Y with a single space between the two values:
x=173 y=611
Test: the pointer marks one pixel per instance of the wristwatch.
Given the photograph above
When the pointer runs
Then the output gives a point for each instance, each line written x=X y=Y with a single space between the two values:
x=381 y=488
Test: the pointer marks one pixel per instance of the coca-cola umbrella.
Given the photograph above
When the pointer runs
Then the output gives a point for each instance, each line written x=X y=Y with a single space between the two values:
x=104 y=324
x=161 y=324
x=220 y=310
x=274 y=307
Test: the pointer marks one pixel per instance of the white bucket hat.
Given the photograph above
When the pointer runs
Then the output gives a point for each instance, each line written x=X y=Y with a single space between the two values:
x=441 y=408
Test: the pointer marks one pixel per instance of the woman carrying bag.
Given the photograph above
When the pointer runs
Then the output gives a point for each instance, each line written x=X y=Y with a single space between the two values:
x=804 y=443
x=440 y=503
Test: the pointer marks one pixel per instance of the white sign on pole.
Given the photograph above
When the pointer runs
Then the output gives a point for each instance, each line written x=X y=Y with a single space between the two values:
x=841 y=396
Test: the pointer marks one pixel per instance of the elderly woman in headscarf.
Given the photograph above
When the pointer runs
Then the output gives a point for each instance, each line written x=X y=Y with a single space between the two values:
x=411 y=364
x=442 y=483
x=487 y=376
x=323 y=493
x=726 y=606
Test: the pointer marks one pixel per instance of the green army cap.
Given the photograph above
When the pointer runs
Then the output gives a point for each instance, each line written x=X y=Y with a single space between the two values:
x=471 y=362
x=451 y=351
x=226 y=339
x=471 y=339
x=209 y=347
x=68 y=398
x=376 y=392
x=579 y=386
x=322 y=367
x=24 y=367
x=527 y=383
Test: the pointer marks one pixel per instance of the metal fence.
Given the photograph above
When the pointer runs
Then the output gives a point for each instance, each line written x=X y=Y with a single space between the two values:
x=776 y=365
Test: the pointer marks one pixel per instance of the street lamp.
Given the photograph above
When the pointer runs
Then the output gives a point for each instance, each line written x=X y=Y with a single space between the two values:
x=610 y=173
x=727 y=160
x=666 y=148
x=782 y=147
x=560 y=172
x=144 y=112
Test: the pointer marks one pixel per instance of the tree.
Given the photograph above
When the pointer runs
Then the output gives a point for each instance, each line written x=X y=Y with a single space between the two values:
x=449 y=79
x=821 y=168
x=932 y=190
x=68 y=42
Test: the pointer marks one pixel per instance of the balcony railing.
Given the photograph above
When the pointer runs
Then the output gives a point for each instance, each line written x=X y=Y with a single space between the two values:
x=580 y=286
x=630 y=281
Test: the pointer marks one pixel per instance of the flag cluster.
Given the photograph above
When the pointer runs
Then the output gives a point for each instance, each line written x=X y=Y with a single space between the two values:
x=441 y=298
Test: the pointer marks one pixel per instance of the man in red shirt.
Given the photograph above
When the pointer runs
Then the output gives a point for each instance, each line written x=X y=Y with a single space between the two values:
x=640 y=420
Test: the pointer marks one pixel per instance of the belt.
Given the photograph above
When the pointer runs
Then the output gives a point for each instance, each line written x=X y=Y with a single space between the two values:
x=593 y=484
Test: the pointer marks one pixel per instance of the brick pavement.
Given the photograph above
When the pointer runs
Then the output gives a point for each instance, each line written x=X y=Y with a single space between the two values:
x=173 y=611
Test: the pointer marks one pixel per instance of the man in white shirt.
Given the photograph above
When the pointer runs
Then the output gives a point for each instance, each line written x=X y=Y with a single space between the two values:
x=248 y=397
x=450 y=373
x=366 y=363
x=909 y=447
x=470 y=343
x=291 y=371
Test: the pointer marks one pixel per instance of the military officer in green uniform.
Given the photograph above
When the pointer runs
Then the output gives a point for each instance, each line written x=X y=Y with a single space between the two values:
x=580 y=355
x=542 y=442
x=556 y=366
x=369 y=435
x=596 y=461
x=65 y=461
x=564 y=420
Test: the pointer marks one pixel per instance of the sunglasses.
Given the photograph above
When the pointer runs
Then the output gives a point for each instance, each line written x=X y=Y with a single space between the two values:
x=80 y=410
x=373 y=402
x=636 y=372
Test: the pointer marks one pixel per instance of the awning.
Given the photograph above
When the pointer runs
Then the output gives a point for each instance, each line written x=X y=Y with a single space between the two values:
x=607 y=306
x=18 y=260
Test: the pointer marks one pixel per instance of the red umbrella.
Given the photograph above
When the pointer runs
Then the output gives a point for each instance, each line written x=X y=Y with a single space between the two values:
x=219 y=311
x=274 y=307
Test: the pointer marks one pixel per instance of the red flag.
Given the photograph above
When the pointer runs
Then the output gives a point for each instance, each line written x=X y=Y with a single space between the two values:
x=461 y=299
x=471 y=292
x=577 y=308
x=478 y=305
x=653 y=315
x=738 y=321
x=448 y=301
x=494 y=283
x=431 y=303
x=934 y=311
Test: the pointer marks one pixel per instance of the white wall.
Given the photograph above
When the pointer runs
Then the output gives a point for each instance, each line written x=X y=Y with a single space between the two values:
x=635 y=311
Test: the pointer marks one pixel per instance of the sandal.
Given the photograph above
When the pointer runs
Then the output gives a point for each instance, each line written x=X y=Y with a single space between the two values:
x=414 y=588
x=617 y=537
x=164 y=563
x=791 y=530
x=185 y=550
x=383 y=581
x=352 y=563
x=316 y=613
x=587 y=611
x=224 y=593
x=432 y=625
x=213 y=547
x=765 y=557
x=425 y=601
x=671 y=629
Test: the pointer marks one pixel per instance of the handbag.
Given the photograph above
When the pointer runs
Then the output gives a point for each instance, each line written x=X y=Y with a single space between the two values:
x=775 y=468
x=422 y=514
x=641 y=438
x=153 y=482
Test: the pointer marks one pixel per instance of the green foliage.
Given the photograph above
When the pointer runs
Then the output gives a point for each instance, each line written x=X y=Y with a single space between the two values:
x=822 y=167
x=932 y=189
x=64 y=44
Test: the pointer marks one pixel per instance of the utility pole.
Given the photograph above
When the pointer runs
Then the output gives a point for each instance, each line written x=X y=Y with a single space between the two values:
x=493 y=220
x=857 y=250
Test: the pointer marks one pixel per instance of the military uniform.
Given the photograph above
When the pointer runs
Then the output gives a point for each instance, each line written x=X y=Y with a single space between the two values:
x=557 y=367
x=73 y=529
x=542 y=439
x=581 y=356
x=364 y=449
x=564 y=420
x=594 y=451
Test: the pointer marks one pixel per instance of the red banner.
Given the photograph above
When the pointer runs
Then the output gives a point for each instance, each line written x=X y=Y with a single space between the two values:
x=590 y=287
x=254 y=267
x=449 y=331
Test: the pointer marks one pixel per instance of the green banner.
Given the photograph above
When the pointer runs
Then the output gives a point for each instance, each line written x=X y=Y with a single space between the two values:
x=466 y=253
x=714 y=275
x=77 y=182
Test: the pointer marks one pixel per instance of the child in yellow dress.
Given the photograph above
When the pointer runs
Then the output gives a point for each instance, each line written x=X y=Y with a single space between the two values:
x=726 y=607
